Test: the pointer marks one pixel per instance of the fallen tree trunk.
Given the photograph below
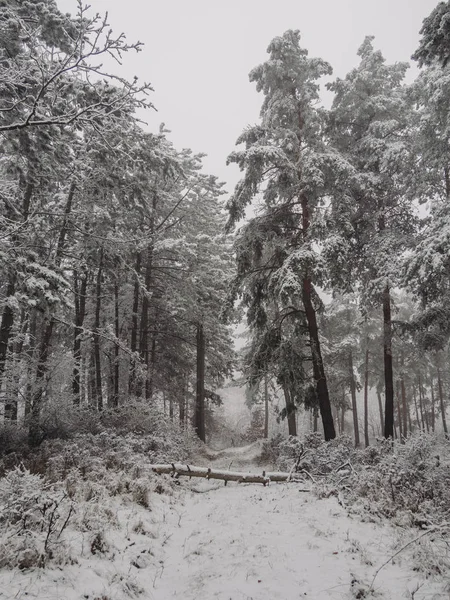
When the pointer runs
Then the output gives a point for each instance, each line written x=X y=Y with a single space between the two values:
x=180 y=470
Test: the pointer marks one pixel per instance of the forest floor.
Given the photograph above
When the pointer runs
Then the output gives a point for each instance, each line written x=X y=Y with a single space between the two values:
x=249 y=542
x=203 y=540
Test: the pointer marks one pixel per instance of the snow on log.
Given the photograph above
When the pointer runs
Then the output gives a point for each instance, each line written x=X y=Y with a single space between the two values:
x=180 y=470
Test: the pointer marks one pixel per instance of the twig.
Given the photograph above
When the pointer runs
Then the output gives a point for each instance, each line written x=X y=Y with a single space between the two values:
x=431 y=530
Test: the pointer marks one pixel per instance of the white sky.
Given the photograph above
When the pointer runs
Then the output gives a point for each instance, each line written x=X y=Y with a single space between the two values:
x=198 y=54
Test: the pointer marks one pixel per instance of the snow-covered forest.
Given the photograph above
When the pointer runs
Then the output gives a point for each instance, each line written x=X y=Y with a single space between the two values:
x=214 y=393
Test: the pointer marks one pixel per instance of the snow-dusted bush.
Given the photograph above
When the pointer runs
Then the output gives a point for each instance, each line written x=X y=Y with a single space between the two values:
x=33 y=517
x=411 y=482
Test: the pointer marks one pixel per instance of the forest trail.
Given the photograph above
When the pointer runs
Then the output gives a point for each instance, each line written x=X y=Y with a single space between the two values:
x=249 y=542
x=235 y=458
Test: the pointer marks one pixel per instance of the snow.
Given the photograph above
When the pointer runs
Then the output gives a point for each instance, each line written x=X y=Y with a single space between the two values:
x=207 y=541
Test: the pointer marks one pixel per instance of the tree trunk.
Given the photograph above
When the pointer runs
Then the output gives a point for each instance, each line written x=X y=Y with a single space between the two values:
x=315 y=419
x=134 y=326
x=266 y=407
x=35 y=436
x=34 y=431
x=318 y=368
x=343 y=414
x=399 y=412
x=180 y=470
x=433 y=402
x=98 y=391
x=441 y=402
x=144 y=341
x=353 y=395
x=311 y=318
x=419 y=425
x=7 y=321
x=404 y=407
x=366 y=396
x=290 y=410
x=199 y=423
x=115 y=399
x=388 y=370
x=423 y=408
x=80 y=287
x=380 y=408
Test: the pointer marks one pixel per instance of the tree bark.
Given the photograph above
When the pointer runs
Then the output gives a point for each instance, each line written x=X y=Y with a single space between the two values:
x=423 y=408
x=114 y=402
x=404 y=407
x=388 y=370
x=134 y=326
x=98 y=390
x=199 y=418
x=290 y=410
x=7 y=321
x=180 y=470
x=380 y=408
x=433 y=402
x=318 y=368
x=441 y=402
x=366 y=396
x=80 y=287
x=353 y=395
x=311 y=318
x=266 y=407
x=399 y=412
x=419 y=424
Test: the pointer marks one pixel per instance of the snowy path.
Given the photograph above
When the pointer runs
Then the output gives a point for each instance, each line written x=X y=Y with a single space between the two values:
x=206 y=541
x=249 y=542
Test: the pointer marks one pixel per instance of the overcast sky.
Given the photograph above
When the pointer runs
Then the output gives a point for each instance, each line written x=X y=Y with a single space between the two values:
x=198 y=54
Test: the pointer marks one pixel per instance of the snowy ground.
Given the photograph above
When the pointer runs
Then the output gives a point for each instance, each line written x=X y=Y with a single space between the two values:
x=235 y=542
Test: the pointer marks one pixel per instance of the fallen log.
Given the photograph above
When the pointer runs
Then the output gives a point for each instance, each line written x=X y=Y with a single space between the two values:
x=180 y=470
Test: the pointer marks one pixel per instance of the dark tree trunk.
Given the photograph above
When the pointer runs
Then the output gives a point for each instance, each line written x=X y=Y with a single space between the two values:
x=404 y=407
x=144 y=341
x=353 y=395
x=98 y=391
x=441 y=402
x=6 y=325
x=80 y=286
x=399 y=413
x=170 y=405
x=433 y=402
x=343 y=413
x=419 y=423
x=35 y=435
x=290 y=410
x=266 y=407
x=7 y=321
x=134 y=326
x=114 y=400
x=366 y=397
x=318 y=368
x=311 y=318
x=423 y=408
x=388 y=370
x=199 y=418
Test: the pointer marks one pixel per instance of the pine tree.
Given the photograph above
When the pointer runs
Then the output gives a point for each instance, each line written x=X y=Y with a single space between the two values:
x=368 y=125
x=285 y=161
